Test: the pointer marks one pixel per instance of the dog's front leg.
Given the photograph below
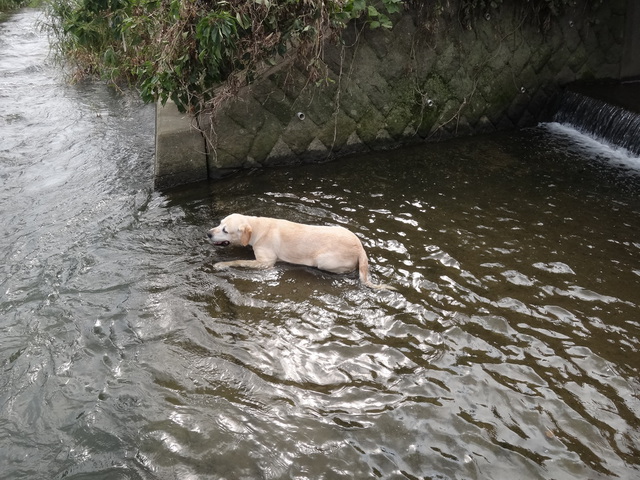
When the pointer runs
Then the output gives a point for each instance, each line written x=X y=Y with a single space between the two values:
x=242 y=263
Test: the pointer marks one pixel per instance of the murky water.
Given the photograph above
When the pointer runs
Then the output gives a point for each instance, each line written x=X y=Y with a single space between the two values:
x=511 y=349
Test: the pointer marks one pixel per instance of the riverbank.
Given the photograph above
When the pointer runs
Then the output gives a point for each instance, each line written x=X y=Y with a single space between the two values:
x=425 y=79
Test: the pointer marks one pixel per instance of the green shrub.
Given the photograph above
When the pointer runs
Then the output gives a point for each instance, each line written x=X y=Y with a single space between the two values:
x=7 y=5
x=183 y=49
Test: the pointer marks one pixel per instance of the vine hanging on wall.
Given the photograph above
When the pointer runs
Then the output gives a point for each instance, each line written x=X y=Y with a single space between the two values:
x=183 y=49
x=540 y=12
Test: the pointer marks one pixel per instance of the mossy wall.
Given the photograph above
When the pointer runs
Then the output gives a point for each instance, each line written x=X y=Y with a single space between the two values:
x=426 y=79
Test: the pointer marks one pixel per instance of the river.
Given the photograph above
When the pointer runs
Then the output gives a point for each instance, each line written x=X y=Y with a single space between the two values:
x=511 y=348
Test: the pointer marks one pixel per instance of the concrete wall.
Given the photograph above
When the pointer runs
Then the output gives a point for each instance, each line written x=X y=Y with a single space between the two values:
x=181 y=151
x=426 y=79
x=630 y=68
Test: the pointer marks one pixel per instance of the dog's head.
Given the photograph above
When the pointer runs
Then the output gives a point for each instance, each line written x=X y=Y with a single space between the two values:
x=234 y=230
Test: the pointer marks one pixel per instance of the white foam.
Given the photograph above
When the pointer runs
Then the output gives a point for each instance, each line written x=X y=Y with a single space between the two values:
x=597 y=147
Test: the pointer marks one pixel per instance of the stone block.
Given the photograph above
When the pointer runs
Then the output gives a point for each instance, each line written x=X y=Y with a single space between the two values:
x=364 y=65
x=398 y=119
x=368 y=127
x=280 y=154
x=273 y=100
x=570 y=34
x=518 y=108
x=246 y=112
x=379 y=92
x=298 y=134
x=538 y=102
x=316 y=152
x=334 y=57
x=266 y=138
x=353 y=101
x=484 y=125
x=181 y=155
x=379 y=41
x=427 y=119
x=335 y=133
x=354 y=145
x=317 y=102
x=540 y=58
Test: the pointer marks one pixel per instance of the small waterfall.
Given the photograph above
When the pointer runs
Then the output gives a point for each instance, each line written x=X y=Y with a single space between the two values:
x=602 y=120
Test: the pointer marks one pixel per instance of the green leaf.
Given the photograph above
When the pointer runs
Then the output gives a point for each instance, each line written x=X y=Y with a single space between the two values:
x=359 y=5
x=392 y=6
x=242 y=20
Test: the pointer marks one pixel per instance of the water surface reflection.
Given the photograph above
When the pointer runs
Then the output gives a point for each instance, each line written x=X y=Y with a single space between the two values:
x=511 y=346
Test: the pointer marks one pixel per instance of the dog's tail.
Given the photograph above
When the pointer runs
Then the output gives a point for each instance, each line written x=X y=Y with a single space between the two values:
x=363 y=270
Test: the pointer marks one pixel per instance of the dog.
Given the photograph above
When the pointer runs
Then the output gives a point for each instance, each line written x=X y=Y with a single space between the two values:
x=331 y=248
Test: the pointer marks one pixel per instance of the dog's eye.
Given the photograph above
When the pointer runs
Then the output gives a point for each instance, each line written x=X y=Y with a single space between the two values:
x=224 y=230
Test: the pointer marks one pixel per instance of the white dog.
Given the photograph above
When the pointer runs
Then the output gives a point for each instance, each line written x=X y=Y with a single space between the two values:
x=334 y=249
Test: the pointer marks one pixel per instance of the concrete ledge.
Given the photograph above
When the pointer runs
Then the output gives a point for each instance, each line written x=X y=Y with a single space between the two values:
x=630 y=66
x=181 y=155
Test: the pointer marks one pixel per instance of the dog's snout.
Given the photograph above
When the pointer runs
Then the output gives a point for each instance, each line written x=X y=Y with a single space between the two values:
x=209 y=234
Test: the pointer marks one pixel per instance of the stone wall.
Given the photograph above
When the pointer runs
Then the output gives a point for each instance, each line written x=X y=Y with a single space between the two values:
x=427 y=79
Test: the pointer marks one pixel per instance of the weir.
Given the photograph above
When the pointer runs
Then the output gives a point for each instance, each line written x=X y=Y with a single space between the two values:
x=607 y=113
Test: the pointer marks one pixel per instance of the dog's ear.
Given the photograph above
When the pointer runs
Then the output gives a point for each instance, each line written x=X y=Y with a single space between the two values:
x=245 y=237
